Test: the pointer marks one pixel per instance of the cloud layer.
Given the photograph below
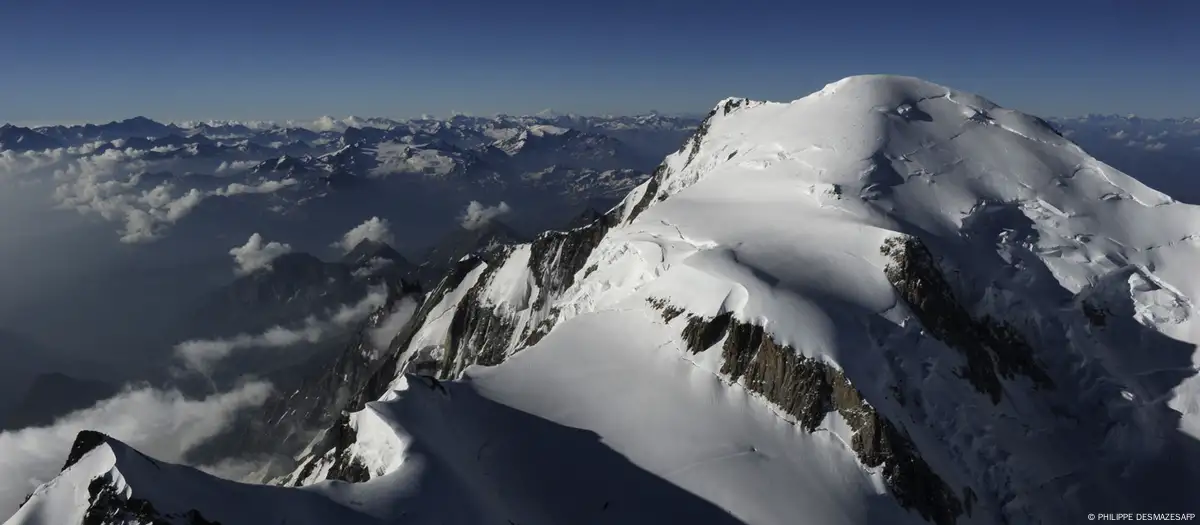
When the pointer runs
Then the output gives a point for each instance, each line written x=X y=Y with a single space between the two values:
x=374 y=229
x=255 y=255
x=119 y=185
x=477 y=214
x=201 y=355
x=162 y=424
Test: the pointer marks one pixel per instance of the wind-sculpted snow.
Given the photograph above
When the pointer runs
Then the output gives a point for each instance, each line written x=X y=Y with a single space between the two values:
x=886 y=302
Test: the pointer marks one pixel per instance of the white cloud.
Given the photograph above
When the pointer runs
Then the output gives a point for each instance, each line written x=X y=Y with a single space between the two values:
x=13 y=164
x=1120 y=134
x=477 y=214
x=163 y=424
x=382 y=336
x=254 y=255
x=374 y=229
x=1155 y=146
x=372 y=267
x=113 y=185
x=230 y=166
x=270 y=186
x=201 y=355
x=350 y=314
x=326 y=123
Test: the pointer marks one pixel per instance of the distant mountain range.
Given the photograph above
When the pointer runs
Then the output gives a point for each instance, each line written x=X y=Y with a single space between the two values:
x=149 y=176
x=886 y=302
x=1162 y=152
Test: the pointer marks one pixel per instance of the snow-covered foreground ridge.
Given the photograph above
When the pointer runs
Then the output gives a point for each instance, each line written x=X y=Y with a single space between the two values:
x=886 y=302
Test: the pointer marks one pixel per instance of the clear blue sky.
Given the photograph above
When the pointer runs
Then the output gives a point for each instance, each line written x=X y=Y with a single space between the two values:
x=77 y=60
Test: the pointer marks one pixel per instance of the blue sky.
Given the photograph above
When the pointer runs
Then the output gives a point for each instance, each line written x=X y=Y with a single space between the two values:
x=74 y=60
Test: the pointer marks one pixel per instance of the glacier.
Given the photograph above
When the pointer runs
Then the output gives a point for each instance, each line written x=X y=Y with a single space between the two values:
x=885 y=302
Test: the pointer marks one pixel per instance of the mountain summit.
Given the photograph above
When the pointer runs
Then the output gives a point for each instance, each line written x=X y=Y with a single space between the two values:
x=886 y=302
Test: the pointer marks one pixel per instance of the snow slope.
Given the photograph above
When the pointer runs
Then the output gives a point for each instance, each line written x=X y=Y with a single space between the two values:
x=105 y=481
x=541 y=440
x=886 y=302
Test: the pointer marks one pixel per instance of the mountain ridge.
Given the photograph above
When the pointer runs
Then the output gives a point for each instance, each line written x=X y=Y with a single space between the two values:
x=902 y=298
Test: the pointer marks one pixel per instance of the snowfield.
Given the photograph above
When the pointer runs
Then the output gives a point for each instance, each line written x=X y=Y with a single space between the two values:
x=886 y=302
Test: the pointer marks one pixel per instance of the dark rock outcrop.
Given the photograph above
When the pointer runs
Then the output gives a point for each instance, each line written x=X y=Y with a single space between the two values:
x=345 y=467
x=693 y=143
x=669 y=311
x=85 y=441
x=993 y=349
x=390 y=366
x=371 y=382
x=692 y=146
x=322 y=388
x=478 y=334
x=652 y=186
x=106 y=506
x=808 y=389
x=556 y=256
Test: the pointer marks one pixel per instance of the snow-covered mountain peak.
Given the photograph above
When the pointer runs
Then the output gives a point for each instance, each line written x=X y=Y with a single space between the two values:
x=912 y=245
x=107 y=482
x=885 y=302
x=868 y=136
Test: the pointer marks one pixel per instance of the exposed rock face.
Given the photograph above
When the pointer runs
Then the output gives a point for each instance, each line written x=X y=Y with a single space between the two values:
x=85 y=441
x=807 y=389
x=106 y=506
x=992 y=348
x=289 y=419
x=692 y=147
x=651 y=191
x=669 y=312
x=478 y=334
x=387 y=368
x=344 y=465
x=321 y=399
x=700 y=333
x=693 y=144
x=370 y=384
x=556 y=257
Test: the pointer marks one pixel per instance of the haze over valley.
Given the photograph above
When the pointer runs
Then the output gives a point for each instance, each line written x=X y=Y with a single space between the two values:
x=799 y=292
